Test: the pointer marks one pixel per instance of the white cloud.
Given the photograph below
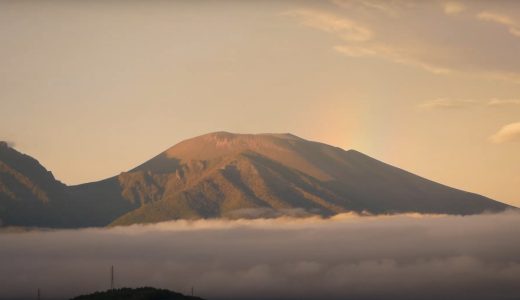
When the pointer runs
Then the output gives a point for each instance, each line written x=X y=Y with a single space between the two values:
x=508 y=133
x=453 y=8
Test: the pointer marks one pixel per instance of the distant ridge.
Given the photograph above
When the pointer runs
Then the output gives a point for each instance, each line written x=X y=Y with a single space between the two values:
x=231 y=175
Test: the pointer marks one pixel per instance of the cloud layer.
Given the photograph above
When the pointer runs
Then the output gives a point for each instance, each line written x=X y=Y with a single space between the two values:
x=348 y=257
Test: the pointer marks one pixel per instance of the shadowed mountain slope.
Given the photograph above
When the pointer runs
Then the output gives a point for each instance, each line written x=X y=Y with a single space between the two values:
x=29 y=194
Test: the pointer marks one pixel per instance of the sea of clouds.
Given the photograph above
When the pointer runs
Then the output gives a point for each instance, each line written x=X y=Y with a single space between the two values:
x=345 y=257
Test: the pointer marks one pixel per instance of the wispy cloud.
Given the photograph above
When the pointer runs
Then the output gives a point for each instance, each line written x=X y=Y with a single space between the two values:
x=368 y=29
x=446 y=103
x=385 y=7
x=453 y=8
x=497 y=18
x=361 y=40
x=449 y=103
x=501 y=19
x=503 y=102
x=506 y=134
x=346 y=29
x=391 y=53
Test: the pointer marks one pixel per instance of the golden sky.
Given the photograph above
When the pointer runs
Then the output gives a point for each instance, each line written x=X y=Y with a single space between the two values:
x=95 y=88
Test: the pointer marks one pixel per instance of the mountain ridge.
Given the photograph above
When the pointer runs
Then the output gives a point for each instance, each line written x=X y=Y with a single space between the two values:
x=221 y=174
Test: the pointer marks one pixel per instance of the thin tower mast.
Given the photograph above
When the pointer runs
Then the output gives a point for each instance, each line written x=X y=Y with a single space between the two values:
x=112 y=277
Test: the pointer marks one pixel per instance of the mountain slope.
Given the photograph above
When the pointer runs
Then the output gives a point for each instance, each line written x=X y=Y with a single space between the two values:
x=233 y=175
x=31 y=196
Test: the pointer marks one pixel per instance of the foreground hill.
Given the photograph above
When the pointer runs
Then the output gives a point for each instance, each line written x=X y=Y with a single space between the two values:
x=145 y=293
x=227 y=175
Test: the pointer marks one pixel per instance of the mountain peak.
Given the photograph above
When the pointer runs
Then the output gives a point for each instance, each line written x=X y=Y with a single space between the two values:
x=225 y=135
x=217 y=144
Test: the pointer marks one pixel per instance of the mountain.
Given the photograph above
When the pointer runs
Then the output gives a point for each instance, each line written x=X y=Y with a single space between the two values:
x=233 y=175
x=31 y=196
x=145 y=293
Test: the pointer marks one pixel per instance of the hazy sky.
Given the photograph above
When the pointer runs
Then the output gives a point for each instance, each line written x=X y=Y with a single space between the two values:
x=93 y=88
x=347 y=257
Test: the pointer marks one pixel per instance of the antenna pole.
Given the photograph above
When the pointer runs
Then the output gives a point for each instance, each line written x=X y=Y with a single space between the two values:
x=39 y=294
x=112 y=277
x=192 y=291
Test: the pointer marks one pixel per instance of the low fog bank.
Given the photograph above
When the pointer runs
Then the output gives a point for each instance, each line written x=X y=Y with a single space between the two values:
x=346 y=257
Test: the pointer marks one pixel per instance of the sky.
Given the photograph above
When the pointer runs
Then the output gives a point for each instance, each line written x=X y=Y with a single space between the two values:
x=94 y=88
x=385 y=257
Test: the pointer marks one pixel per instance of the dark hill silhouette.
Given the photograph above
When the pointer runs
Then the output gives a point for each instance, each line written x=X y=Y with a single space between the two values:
x=227 y=175
x=144 y=293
